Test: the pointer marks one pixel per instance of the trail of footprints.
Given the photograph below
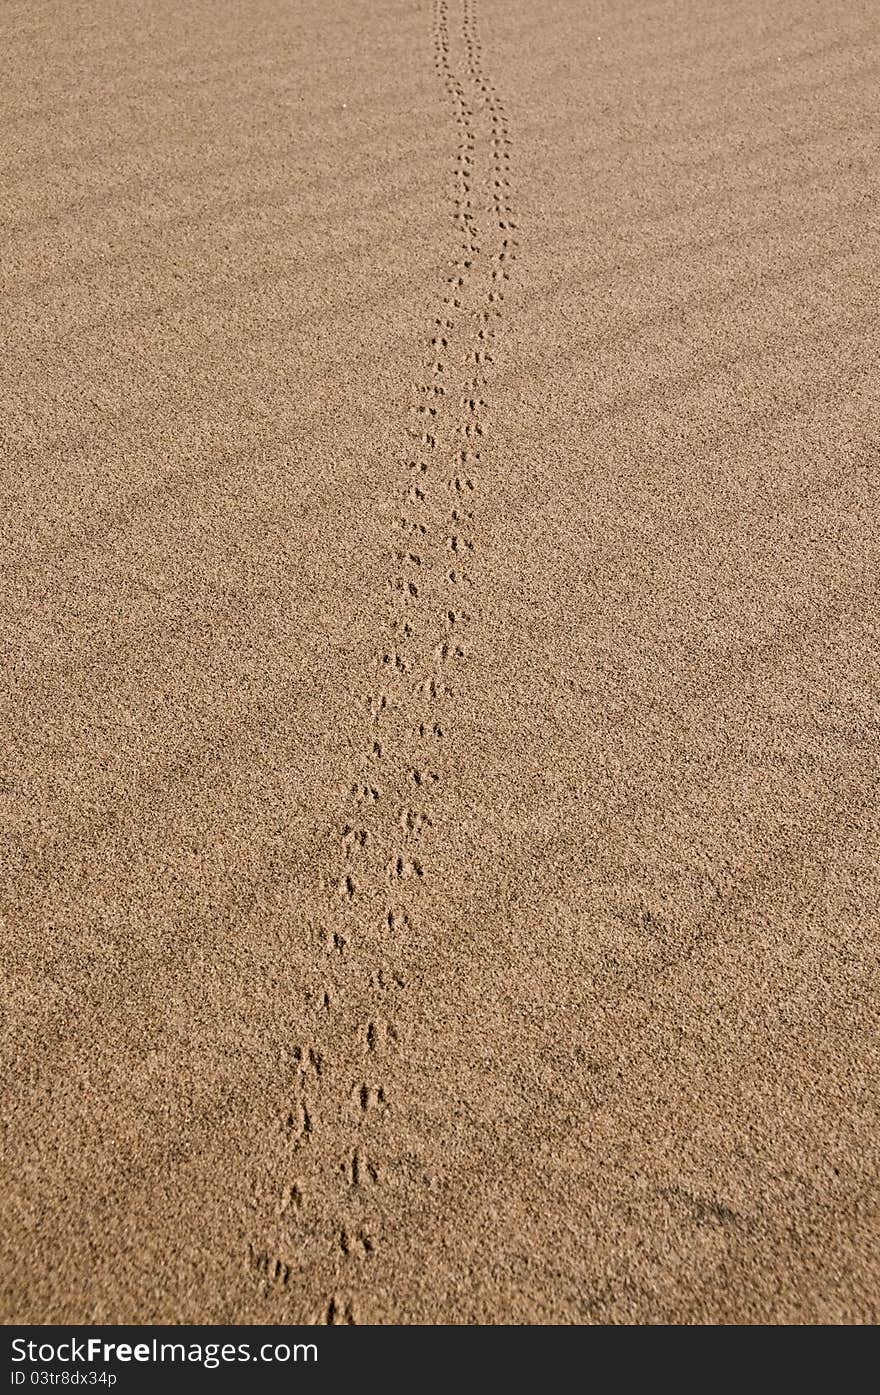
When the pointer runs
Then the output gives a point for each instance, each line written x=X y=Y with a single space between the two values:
x=384 y=836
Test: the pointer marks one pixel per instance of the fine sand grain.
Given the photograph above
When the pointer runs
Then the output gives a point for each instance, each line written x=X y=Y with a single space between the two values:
x=441 y=686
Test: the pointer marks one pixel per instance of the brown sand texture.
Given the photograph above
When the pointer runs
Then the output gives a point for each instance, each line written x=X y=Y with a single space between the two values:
x=441 y=725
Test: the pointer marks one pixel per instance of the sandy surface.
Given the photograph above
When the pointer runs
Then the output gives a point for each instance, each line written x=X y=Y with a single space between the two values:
x=441 y=686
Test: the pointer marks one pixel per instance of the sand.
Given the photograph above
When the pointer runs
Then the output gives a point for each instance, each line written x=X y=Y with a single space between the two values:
x=440 y=661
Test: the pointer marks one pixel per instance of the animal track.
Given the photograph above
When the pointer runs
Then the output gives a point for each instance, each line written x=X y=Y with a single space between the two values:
x=423 y=777
x=320 y=998
x=273 y=1270
x=382 y=848
x=397 y=921
x=339 y=1312
x=365 y=794
x=402 y=868
x=299 y=1124
x=379 y=1036
x=356 y=1242
x=333 y=942
x=414 y=822
x=385 y=980
x=371 y=1099
x=354 y=837
x=359 y=1171
x=307 y=1061
x=291 y=1200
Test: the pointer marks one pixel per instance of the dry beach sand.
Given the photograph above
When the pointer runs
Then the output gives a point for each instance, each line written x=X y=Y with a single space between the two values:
x=441 y=687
